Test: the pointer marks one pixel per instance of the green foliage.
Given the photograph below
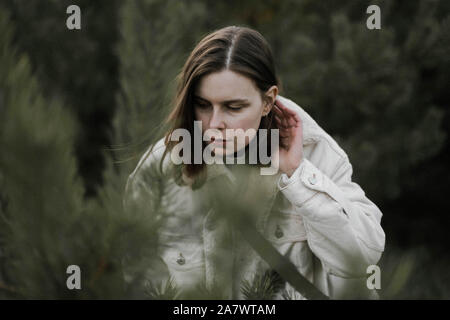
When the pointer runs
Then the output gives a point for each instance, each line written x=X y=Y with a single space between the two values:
x=37 y=137
x=263 y=287
x=79 y=68
x=367 y=88
x=162 y=291
x=46 y=224
x=382 y=94
x=156 y=37
x=414 y=274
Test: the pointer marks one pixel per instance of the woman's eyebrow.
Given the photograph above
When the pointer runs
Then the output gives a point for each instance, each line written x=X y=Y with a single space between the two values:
x=226 y=101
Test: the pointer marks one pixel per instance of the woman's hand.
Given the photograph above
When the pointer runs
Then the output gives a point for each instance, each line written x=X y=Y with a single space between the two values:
x=291 y=137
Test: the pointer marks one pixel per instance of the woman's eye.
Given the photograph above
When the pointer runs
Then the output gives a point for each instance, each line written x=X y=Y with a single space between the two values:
x=203 y=105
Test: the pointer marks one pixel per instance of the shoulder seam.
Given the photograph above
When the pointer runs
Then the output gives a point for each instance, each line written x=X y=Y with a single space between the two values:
x=145 y=156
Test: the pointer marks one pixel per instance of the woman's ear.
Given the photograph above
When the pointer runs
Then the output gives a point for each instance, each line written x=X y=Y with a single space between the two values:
x=270 y=97
x=267 y=108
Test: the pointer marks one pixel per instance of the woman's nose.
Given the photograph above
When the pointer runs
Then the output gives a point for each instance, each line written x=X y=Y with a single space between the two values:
x=217 y=120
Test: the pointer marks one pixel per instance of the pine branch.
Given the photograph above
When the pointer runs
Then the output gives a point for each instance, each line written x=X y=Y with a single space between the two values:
x=263 y=287
x=162 y=290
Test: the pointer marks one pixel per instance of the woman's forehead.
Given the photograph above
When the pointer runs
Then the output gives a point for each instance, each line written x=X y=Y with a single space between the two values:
x=226 y=85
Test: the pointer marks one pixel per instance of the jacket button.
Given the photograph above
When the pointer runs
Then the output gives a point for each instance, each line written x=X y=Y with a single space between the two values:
x=181 y=259
x=278 y=232
x=313 y=179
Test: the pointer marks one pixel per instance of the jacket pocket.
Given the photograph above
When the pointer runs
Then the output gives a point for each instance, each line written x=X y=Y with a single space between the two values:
x=283 y=227
x=287 y=233
x=183 y=255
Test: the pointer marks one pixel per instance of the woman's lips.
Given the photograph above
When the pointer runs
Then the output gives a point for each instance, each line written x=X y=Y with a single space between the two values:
x=218 y=141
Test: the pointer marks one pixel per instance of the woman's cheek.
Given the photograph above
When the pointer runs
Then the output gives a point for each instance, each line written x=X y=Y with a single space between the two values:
x=247 y=119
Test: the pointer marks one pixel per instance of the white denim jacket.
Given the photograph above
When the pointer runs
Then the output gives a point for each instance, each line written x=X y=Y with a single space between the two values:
x=318 y=218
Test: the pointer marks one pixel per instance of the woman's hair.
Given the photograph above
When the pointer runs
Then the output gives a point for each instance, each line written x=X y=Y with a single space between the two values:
x=239 y=49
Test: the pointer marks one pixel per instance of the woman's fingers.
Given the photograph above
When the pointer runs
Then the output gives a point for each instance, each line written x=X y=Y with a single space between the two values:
x=281 y=107
x=282 y=122
x=292 y=118
x=285 y=121
x=289 y=122
x=285 y=132
x=281 y=114
x=278 y=113
x=282 y=110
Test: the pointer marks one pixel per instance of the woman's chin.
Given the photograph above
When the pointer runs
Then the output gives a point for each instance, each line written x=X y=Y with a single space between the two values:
x=221 y=151
x=226 y=152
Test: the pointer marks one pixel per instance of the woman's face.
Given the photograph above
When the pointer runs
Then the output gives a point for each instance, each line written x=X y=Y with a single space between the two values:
x=227 y=100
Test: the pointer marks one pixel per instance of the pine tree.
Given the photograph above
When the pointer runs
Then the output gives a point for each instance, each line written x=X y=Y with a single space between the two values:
x=366 y=88
x=39 y=174
x=155 y=39
x=46 y=224
x=381 y=94
x=79 y=67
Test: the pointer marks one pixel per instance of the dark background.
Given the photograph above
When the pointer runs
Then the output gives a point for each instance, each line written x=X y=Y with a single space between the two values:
x=382 y=94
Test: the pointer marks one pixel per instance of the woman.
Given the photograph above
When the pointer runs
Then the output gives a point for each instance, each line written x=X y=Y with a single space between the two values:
x=311 y=212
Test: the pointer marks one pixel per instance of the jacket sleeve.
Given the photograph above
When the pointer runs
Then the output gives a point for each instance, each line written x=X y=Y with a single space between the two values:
x=137 y=202
x=342 y=224
x=141 y=185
